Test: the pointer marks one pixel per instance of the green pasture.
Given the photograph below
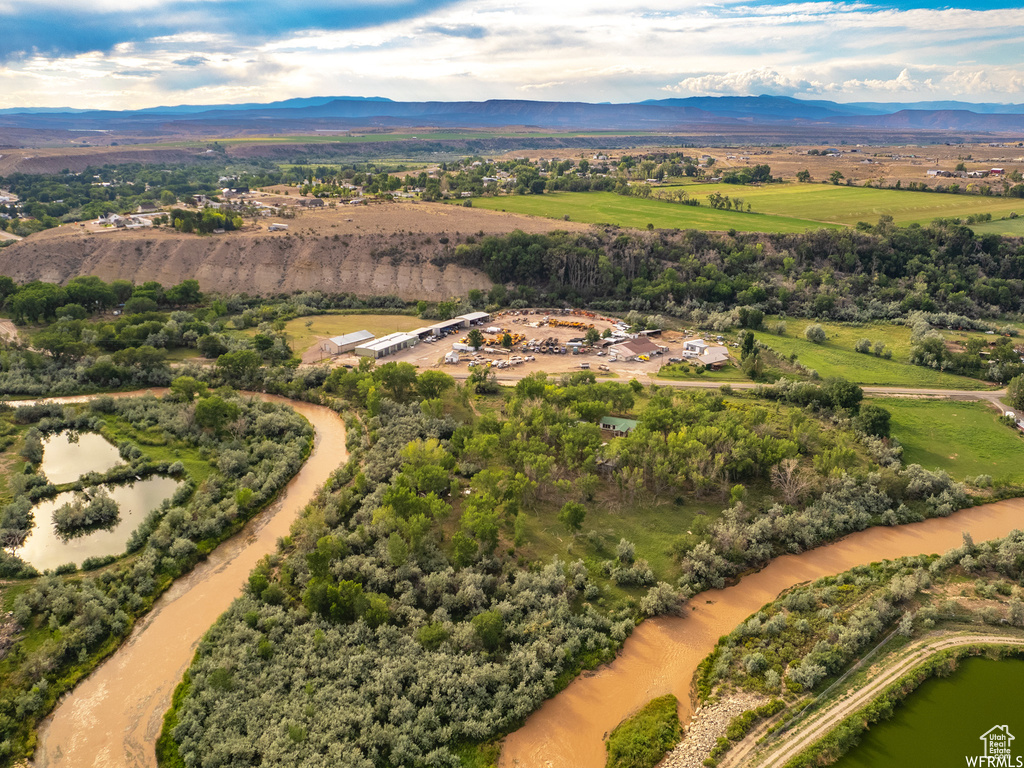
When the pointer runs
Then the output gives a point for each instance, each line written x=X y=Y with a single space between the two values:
x=836 y=356
x=301 y=337
x=1011 y=227
x=635 y=212
x=849 y=205
x=965 y=439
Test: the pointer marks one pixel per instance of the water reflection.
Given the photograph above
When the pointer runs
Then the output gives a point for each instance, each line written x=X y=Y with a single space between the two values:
x=69 y=455
x=44 y=548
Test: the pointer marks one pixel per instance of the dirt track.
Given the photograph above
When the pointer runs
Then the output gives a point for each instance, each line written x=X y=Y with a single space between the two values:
x=821 y=723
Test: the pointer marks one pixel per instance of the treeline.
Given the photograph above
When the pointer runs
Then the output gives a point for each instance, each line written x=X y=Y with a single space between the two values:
x=882 y=272
x=243 y=450
x=85 y=349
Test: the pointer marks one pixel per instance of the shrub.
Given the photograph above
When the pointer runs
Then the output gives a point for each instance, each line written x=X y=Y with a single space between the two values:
x=815 y=333
x=642 y=740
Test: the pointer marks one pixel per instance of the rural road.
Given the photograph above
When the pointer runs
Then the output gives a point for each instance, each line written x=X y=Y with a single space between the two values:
x=986 y=395
x=821 y=723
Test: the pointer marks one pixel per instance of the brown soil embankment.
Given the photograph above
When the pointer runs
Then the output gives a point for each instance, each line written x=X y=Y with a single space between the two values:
x=373 y=250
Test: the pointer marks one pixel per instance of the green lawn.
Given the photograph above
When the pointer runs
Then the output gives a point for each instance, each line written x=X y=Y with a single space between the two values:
x=610 y=208
x=965 y=439
x=836 y=356
x=685 y=372
x=302 y=338
x=849 y=205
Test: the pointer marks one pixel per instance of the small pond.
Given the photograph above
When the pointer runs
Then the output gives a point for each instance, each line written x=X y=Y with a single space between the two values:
x=69 y=455
x=44 y=549
x=942 y=723
x=66 y=457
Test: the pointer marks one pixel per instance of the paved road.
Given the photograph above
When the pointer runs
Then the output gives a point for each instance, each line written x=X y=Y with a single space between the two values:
x=821 y=723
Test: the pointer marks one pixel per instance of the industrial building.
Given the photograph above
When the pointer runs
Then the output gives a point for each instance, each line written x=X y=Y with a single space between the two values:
x=337 y=345
x=387 y=345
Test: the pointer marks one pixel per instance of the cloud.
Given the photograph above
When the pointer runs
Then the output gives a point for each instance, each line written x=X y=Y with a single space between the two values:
x=748 y=83
x=469 y=31
x=191 y=61
x=902 y=83
x=28 y=26
x=212 y=51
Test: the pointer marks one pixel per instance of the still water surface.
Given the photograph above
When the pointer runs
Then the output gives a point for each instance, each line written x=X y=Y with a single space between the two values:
x=69 y=455
x=44 y=549
x=942 y=722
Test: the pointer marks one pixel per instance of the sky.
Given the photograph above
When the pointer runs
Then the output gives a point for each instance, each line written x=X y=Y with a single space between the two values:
x=130 y=54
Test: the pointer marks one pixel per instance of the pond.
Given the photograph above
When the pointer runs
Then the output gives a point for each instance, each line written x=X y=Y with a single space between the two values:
x=944 y=721
x=44 y=549
x=69 y=455
x=66 y=457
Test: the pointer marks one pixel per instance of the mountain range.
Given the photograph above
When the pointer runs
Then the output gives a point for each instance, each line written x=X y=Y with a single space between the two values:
x=326 y=113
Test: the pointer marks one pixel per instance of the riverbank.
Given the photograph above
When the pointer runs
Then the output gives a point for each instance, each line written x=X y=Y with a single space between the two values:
x=708 y=725
x=662 y=654
x=113 y=717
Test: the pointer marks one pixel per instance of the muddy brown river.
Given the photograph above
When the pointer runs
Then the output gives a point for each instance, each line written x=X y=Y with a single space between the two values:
x=662 y=655
x=112 y=719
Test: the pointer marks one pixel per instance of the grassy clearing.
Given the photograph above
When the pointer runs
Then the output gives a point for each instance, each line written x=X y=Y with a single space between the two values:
x=642 y=740
x=652 y=528
x=301 y=337
x=159 y=447
x=849 y=205
x=836 y=356
x=609 y=208
x=965 y=439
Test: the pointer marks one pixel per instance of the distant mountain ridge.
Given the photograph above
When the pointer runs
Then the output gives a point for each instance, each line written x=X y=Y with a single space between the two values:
x=324 y=113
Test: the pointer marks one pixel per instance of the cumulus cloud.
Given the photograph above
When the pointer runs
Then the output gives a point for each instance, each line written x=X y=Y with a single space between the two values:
x=751 y=82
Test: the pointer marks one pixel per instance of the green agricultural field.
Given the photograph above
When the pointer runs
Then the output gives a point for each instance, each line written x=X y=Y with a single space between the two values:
x=610 y=208
x=965 y=439
x=836 y=356
x=849 y=205
x=301 y=338
x=1011 y=227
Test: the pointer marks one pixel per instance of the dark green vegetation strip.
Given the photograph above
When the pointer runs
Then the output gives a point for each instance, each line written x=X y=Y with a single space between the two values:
x=237 y=454
x=642 y=740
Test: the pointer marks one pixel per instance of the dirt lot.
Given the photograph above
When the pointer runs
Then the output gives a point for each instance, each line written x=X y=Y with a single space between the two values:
x=531 y=325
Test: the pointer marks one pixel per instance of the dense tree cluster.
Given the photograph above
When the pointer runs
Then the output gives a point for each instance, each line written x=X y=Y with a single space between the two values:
x=397 y=622
x=883 y=273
